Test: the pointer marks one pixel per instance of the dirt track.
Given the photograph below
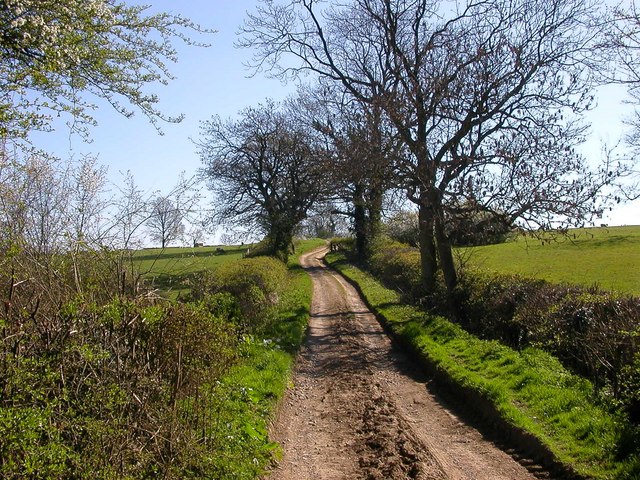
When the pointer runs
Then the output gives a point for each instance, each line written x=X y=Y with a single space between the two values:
x=358 y=411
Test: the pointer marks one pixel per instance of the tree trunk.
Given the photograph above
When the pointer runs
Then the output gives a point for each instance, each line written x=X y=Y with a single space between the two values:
x=281 y=240
x=428 y=261
x=360 y=222
x=446 y=262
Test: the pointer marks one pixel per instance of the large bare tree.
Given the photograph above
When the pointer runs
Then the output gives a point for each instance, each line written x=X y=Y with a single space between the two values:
x=264 y=171
x=483 y=93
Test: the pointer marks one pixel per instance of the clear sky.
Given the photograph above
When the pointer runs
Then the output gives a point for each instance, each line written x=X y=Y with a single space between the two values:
x=210 y=81
x=213 y=81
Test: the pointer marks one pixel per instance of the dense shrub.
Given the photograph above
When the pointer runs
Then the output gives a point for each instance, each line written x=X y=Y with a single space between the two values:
x=595 y=333
x=121 y=390
x=254 y=285
x=397 y=265
x=490 y=305
x=101 y=379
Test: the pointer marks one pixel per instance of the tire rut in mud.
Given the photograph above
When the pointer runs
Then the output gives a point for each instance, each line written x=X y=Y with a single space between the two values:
x=391 y=452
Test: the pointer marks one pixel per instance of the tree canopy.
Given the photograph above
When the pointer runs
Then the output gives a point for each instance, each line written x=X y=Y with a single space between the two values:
x=265 y=172
x=486 y=96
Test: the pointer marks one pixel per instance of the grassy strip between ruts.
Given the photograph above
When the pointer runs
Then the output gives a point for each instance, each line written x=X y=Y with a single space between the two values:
x=537 y=399
x=251 y=391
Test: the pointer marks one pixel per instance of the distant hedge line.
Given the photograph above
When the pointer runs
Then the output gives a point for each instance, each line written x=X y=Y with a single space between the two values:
x=595 y=333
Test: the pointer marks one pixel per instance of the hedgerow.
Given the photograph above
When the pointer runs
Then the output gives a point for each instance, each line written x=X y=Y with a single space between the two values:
x=101 y=379
x=255 y=286
x=593 y=332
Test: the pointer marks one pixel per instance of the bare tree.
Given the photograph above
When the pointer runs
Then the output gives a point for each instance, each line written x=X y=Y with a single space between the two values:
x=129 y=213
x=624 y=41
x=365 y=150
x=34 y=203
x=481 y=92
x=265 y=172
x=165 y=223
x=87 y=205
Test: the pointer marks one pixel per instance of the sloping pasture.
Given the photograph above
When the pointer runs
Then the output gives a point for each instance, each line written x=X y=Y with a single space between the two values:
x=606 y=257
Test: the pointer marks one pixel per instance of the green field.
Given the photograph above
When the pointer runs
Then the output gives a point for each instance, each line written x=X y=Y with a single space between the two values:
x=169 y=269
x=606 y=257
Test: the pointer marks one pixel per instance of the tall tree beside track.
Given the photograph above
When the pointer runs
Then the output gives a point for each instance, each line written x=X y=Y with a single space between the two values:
x=265 y=172
x=364 y=150
x=486 y=95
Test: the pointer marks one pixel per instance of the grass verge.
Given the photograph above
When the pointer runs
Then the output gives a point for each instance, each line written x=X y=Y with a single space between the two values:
x=253 y=388
x=529 y=394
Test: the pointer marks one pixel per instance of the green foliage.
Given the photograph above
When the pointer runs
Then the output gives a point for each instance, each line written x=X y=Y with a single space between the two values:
x=591 y=331
x=252 y=389
x=255 y=283
x=120 y=390
x=530 y=389
x=397 y=265
x=136 y=388
x=630 y=388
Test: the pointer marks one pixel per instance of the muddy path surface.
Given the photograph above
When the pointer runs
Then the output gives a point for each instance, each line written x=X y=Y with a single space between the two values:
x=358 y=409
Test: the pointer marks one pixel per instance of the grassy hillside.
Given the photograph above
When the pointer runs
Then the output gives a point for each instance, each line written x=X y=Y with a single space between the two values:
x=607 y=257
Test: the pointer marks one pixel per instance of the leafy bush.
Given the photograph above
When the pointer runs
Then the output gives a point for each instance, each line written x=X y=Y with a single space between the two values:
x=255 y=284
x=397 y=265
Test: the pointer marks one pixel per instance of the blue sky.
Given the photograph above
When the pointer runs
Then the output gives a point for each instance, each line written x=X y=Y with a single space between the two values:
x=213 y=81
x=210 y=81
